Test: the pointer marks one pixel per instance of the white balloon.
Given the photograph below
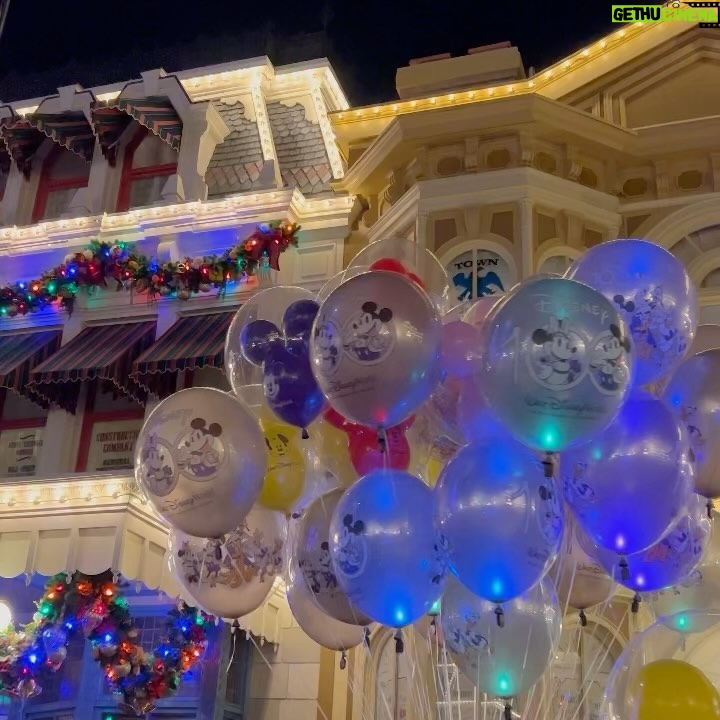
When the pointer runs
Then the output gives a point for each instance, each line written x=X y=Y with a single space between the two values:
x=318 y=626
x=231 y=577
x=201 y=458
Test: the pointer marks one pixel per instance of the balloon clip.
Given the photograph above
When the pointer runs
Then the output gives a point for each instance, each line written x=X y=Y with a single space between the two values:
x=624 y=569
x=234 y=627
x=710 y=509
x=343 y=660
x=500 y=616
x=366 y=639
x=433 y=626
x=549 y=465
x=583 y=619
x=399 y=644
x=382 y=441
x=305 y=434
x=218 y=550
x=508 y=714
x=636 y=603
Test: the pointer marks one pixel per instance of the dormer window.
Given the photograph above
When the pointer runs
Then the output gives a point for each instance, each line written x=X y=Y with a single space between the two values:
x=63 y=174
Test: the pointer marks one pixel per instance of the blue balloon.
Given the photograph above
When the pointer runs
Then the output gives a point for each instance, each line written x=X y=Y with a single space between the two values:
x=388 y=558
x=290 y=387
x=256 y=339
x=501 y=516
x=669 y=561
x=653 y=292
x=631 y=483
x=299 y=318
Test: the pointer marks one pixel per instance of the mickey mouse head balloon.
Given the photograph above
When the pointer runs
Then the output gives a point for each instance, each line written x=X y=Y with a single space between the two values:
x=375 y=348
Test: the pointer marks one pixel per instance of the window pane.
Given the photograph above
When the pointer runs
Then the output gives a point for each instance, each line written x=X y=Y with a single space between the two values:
x=479 y=273
x=58 y=203
x=147 y=191
x=238 y=674
x=112 y=445
x=153 y=151
x=69 y=166
x=19 y=450
x=212 y=378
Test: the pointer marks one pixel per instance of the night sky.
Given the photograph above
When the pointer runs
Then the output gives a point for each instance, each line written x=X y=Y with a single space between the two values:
x=369 y=39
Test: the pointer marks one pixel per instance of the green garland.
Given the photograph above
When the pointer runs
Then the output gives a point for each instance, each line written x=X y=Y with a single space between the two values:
x=104 y=264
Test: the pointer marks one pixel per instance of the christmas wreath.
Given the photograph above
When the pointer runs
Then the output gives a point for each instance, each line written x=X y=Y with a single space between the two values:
x=95 y=606
x=102 y=264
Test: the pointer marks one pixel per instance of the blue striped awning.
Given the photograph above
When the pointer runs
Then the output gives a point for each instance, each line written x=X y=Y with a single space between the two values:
x=20 y=353
x=193 y=342
x=98 y=352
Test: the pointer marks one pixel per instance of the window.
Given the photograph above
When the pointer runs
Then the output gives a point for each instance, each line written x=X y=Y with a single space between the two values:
x=63 y=174
x=391 y=683
x=585 y=658
x=238 y=662
x=147 y=164
x=110 y=426
x=207 y=377
x=21 y=435
x=479 y=273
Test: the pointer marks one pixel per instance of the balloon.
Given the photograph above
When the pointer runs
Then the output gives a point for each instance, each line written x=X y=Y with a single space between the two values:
x=580 y=580
x=673 y=689
x=269 y=306
x=366 y=454
x=501 y=661
x=477 y=421
x=201 y=458
x=290 y=387
x=375 y=349
x=230 y=577
x=442 y=411
x=668 y=561
x=299 y=318
x=312 y=553
x=256 y=339
x=387 y=557
x=655 y=295
x=332 y=447
x=707 y=337
x=318 y=626
x=285 y=478
x=639 y=462
x=404 y=256
x=479 y=310
x=693 y=393
x=501 y=517
x=557 y=364
x=460 y=347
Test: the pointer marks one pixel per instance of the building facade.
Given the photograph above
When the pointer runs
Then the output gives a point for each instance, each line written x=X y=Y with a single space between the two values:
x=500 y=174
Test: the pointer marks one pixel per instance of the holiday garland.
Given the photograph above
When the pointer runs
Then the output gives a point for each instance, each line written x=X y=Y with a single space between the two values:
x=95 y=606
x=102 y=263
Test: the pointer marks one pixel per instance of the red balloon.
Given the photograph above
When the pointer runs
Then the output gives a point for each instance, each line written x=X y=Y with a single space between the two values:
x=393 y=265
x=364 y=447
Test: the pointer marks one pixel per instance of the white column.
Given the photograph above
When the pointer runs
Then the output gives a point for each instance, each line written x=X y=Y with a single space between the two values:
x=527 y=237
x=421 y=224
x=614 y=231
x=267 y=143
x=336 y=163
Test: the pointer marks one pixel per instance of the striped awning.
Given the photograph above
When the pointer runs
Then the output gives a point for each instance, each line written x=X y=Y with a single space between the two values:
x=99 y=352
x=71 y=130
x=22 y=141
x=20 y=353
x=194 y=341
x=157 y=114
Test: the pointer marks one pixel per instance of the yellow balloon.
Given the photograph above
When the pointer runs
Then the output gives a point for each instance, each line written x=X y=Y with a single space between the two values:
x=332 y=445
x=285 y=478
x=675 y=690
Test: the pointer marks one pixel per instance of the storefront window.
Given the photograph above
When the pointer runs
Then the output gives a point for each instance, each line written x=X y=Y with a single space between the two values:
x=21 y=435
x=479 y=273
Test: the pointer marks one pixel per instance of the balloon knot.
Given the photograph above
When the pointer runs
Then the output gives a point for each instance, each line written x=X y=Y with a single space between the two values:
x=624 y=569
x=399 y=644
x=636 y=603
x=500 y=616
x=583 y=619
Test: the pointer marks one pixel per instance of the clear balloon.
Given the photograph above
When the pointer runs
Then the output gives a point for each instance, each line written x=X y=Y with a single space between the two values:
x=376 y=349
x=693 y=393
x=319 y=627
x=580 y=580
x=332 y=447
x=475 y=417
x=675 y=693
x=707 y=337
x=230 y=577
x=557 y=365
x=268 y=306
x=640 y=461
x=479 y=310
x=387 y=556
x=312 y=555
x=201 y=458
x=413 y=259
x=655 y=295
x=501 y=516
x=501 y=659
x=460 y=347
x=668 y=561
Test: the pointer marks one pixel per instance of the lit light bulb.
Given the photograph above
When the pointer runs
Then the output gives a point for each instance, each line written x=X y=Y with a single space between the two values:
x=5 y=616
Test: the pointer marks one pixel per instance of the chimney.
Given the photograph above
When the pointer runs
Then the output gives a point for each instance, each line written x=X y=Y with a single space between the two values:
x=481 y=67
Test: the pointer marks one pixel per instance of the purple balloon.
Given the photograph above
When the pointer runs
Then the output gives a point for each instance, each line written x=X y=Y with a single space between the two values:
x=460 y=347
x=299 y=318
x=290 y=387
x=256 y=339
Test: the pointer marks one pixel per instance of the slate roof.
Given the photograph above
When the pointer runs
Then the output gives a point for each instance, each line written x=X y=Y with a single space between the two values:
x=300 y=149
x=237 y=162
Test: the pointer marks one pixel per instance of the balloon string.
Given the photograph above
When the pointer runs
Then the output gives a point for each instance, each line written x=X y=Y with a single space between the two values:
x=234 y=629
